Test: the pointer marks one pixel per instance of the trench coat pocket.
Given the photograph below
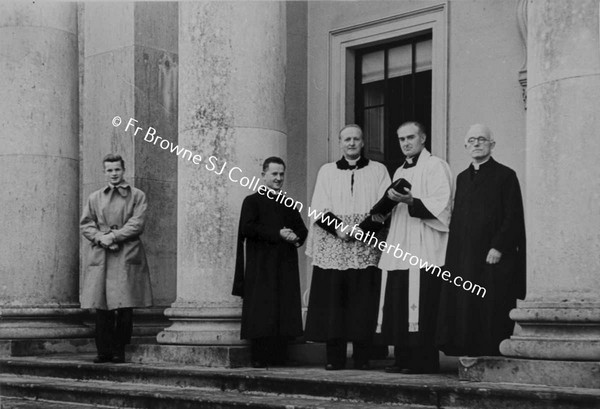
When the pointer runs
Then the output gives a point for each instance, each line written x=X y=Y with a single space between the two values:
x=96 y=256
x=132 y=252
x=134 y=270
x=137 y=285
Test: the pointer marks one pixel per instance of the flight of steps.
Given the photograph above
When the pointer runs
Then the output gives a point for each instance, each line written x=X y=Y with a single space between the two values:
x=73 y=381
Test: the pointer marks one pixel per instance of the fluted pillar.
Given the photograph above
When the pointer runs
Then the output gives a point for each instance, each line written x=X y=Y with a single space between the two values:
x=557 y=339
x=39 y=244
x=231 y=107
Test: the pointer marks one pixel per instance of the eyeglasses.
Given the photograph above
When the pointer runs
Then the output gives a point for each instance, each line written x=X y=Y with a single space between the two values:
x=480 y=140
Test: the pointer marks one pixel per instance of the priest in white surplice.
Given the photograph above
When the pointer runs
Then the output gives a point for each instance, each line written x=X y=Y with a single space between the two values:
x=419 y=226
x=346 y=283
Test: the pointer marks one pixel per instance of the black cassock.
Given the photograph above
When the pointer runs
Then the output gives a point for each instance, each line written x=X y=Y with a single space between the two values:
x=269 y=279
x=488 y=213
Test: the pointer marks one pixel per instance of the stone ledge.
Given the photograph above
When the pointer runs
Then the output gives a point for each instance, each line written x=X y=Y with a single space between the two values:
x=227 y=356
x=29 y=347
x=49 y=346
x=577 y=374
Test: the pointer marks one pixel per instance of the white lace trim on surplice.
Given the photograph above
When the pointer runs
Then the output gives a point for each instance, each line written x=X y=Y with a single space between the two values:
x=330 y=252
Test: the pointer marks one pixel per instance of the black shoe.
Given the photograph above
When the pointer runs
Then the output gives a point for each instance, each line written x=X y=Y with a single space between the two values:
x=332 y=367
x=258 y=364
x=419 y=371
x=100 y=359
x=118 y=359
x=395 y=369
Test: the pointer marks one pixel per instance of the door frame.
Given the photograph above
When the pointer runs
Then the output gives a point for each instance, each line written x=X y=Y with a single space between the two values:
x=342 y=45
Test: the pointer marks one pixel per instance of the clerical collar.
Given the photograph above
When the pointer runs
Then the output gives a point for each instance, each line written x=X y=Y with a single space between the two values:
x=343 y=164
x=477 y=165
x=412 y=161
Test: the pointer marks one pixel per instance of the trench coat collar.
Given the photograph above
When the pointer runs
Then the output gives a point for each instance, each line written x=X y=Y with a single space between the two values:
x=123 y=188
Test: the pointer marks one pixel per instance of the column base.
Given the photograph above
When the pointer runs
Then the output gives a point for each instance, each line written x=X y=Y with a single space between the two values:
x=43 y=322
x=558 y=331
x=530 y=371
x=149 y=321
x=200 y=355
x=202 y=326
x=537 y=348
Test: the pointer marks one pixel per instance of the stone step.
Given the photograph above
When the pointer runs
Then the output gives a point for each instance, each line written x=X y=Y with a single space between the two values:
x=49 y=346
x=146 y=396
x=367 y=386
x=28 y=403
x=374 y=387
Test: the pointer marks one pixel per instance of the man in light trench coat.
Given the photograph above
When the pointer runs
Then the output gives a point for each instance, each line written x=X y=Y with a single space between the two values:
x=116 y=275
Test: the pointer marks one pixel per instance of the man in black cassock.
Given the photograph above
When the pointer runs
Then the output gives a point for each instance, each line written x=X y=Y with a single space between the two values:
x=487 y=247
x=267 y=277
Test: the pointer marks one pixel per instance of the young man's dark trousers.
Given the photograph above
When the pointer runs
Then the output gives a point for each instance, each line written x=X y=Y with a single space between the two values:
x=113 y=332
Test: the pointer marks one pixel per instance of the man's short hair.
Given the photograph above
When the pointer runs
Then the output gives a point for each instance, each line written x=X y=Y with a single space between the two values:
x=350 y=126
x=420 y=128
x=112 y=157
x=272 y=159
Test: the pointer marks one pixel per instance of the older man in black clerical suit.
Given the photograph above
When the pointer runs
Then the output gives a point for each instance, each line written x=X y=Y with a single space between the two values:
x=487 y=247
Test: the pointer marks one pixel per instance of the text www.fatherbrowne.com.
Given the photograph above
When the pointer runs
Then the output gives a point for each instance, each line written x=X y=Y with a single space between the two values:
x=234 y=173
x=370 y=239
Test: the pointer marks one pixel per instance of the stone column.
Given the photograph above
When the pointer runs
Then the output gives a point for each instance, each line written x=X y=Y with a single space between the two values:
x=559 y=321
x=39 y=244
x=130 y=70
x=231 y=105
